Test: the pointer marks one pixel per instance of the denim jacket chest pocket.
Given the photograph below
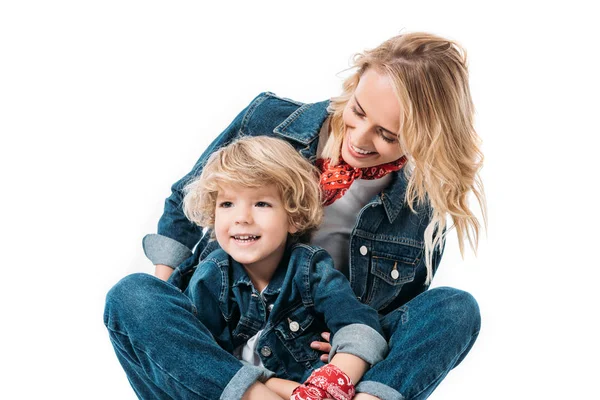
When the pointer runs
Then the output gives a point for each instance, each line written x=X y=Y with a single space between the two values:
x=392 y=265
x=296 y=330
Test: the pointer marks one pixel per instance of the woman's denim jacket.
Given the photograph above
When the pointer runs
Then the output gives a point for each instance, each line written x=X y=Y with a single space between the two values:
x=306 y=296
x=387 y=263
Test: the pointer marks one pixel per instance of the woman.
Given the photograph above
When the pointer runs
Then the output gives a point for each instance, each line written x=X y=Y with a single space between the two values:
x=398 y=155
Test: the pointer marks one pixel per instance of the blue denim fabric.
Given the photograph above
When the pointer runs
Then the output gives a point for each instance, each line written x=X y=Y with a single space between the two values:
x=387 y=232
x=168 y=353
x=165 y=350
x=387 y=237
x=306 y=295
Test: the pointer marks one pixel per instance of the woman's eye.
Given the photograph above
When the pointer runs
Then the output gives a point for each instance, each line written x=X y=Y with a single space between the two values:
x=356 y=112
x=262 y=204
x=225 y=204
x=387 y=138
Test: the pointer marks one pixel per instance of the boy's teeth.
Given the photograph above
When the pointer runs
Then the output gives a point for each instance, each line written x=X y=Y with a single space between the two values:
x=245 y=237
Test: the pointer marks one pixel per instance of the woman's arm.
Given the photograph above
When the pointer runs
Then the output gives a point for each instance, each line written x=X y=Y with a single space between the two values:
x=162 y=271
x=259 y=391
x=176 y=234
x=282 y=387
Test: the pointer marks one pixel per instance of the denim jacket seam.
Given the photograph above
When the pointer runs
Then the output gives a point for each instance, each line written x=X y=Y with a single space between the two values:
x=307 y=299
x=251 y=109
x=388 y=238
x=281 y=128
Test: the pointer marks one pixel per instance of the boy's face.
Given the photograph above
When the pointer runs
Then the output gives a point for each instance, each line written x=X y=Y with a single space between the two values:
x=251 y=225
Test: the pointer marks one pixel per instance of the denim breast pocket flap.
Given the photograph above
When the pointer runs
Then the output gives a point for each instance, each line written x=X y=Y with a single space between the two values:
x=295 y=324
x=395 y=269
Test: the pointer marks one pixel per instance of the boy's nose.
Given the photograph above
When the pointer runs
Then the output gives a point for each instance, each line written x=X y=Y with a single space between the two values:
x=243 y=216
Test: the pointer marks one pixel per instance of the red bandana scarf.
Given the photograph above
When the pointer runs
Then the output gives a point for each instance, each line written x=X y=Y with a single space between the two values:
x=335 y=180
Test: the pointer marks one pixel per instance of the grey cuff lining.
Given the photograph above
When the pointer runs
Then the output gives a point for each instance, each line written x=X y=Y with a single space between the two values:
x=163 y=250
x=243 y=379
x=360 y=340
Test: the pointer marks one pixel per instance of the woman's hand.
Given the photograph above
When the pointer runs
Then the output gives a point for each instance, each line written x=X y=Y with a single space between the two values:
x=325 y=346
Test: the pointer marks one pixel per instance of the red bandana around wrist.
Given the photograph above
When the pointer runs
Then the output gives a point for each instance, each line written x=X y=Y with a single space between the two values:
x=336 y=179
x=326 y=382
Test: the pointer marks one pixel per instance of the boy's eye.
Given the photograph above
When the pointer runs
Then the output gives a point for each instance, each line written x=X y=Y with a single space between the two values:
x=225 y=204
x=262 y=204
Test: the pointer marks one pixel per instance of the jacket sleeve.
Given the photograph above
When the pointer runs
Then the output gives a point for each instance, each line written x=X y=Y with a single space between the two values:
x=354 y=326
x=203 y=291
x=177 y=236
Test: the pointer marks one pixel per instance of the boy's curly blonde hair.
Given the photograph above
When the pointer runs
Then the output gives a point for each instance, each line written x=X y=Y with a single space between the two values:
x=254 y=162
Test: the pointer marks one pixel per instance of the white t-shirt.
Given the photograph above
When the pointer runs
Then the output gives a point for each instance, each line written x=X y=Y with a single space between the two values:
x=340 y=218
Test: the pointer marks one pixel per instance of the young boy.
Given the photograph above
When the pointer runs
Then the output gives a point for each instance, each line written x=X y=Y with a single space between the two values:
x=265 y=295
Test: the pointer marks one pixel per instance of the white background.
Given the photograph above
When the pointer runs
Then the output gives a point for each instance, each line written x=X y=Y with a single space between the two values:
x=104 y=104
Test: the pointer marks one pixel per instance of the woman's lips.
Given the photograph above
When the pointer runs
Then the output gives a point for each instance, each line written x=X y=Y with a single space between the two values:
x=356 y=154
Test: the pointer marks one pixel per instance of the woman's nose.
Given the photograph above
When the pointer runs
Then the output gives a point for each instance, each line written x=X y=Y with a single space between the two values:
x=361 y=134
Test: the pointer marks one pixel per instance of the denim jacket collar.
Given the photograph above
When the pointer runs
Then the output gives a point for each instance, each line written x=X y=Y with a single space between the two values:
x=241 y=277
x=304 y=125
x=390 y=195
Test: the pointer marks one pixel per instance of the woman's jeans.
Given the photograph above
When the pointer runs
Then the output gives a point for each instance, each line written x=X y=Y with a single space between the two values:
x=167 y=353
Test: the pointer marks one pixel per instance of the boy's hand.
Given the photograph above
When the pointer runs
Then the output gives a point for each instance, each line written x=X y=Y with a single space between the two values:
x=325 y=347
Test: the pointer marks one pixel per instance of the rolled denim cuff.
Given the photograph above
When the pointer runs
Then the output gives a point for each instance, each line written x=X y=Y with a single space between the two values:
x=360 y=340
x=243 y=379
x=164 y=250
x=378 y=390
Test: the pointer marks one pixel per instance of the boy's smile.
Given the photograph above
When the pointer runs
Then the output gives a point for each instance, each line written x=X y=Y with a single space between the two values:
x=252 y=226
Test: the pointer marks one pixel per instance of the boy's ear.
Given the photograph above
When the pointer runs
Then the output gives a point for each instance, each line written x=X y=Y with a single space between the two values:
x=292 y=229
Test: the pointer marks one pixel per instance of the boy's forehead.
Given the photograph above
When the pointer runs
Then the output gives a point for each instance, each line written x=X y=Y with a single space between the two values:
x=230 y=190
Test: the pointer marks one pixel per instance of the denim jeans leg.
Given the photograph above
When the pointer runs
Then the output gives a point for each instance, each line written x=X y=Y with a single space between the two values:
x=164 y=349
x=428 y=336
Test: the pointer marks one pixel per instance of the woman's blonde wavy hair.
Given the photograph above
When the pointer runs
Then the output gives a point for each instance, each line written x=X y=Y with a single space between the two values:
x=430 y=78
x=254 y=162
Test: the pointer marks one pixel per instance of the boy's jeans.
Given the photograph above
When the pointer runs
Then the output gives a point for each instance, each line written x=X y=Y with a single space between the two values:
x=167 y=353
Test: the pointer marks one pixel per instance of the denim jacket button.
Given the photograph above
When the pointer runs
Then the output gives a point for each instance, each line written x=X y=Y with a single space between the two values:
x=395 y=274
x=294 y=326
x=270 y=307
x=265 y=351
x=363 y=250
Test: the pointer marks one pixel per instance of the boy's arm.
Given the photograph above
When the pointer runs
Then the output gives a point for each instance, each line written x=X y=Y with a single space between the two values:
x=355 y=328
x=353 y=366
x=203 y=291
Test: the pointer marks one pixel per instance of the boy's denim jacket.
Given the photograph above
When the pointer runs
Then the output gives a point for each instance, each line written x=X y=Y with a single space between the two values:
x=306 y=296
x=387 y=263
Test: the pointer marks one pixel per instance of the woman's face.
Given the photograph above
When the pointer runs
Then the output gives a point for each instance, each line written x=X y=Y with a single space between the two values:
x=372 y=118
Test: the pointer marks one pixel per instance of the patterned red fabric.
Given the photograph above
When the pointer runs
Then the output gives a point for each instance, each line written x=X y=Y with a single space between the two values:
x=326 y=382
x=309 y=392
x=336 y=179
